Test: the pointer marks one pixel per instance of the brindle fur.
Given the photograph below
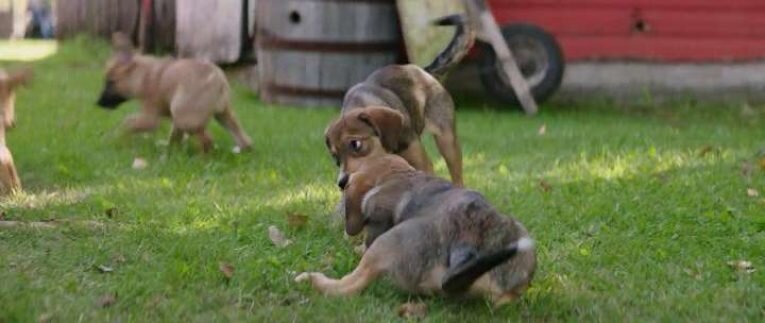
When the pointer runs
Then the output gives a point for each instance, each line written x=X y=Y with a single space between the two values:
x=422 y=230
x=417 y=98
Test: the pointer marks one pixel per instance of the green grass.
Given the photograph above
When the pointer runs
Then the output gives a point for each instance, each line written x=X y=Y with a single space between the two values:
x=645 y=206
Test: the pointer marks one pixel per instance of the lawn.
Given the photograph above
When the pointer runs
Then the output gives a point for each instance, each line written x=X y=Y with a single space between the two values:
x=637 y=211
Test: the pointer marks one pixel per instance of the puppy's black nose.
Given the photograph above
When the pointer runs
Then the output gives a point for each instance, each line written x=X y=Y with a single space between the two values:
x=342 y=181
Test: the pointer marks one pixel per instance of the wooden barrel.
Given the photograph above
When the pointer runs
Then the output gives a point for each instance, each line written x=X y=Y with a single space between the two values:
x=310 y=52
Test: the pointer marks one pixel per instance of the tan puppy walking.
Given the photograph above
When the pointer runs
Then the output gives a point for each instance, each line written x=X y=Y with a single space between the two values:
x=188 y=91
x=9 y=82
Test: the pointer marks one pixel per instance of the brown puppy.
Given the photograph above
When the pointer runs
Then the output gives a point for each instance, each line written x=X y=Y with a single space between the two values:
x=188 y=91
x=397 y=103
x=430 y=237
x=9 y=82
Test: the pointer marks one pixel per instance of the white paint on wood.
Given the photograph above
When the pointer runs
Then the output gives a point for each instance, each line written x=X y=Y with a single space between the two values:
x=209 y=29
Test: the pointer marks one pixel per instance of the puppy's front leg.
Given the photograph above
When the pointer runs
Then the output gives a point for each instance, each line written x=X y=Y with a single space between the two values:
x=352 y=199
x=141 y=122
x=176 y=136
x=205 y=140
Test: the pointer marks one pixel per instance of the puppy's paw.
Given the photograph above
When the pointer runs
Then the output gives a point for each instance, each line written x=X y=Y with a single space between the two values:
x=304 y=277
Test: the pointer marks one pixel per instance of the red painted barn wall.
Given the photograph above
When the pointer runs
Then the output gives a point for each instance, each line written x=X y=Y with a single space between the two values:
x=660 y=30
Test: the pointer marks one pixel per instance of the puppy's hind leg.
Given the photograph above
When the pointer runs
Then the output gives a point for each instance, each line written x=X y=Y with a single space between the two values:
x=374 y=262
x=9 y=179
x=440 y=121
x=176 y=136
x=228 y=120
x=449 y=147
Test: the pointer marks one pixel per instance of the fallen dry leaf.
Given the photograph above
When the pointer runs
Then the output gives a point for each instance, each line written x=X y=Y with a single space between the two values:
x=762 y=163
x=746 y=169
x=277 y=237
x=411 y=310
x=155 y=301
x=706 y=149
x=742 y=266
x=111 y=212
x=104 y=269
x=542 y=130
x=747 y=111
x=45 y=318
x=546 y=187
x=226 y=269
x=296 y=220
x=139 y=163
x=693 y=273
x=107 y=300
x=119 y=258
x=752 y=192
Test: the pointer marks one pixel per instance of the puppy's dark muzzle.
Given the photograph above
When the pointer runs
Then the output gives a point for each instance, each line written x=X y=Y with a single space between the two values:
x=110 y=99
x=342 y=181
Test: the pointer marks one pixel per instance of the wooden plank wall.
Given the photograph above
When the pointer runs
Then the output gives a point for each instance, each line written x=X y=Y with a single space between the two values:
x=104 y=17
x=96 y=17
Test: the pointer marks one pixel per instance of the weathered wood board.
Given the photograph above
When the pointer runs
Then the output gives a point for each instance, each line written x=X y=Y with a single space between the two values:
x=209 y=29
x=96 y=17
x=423 y=40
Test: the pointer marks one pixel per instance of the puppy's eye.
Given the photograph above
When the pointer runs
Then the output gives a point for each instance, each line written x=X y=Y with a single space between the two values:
x=355 y=145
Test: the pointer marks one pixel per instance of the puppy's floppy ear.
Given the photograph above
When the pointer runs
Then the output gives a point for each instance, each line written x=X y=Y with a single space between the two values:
x=387 y=124
x=20 y=77
x=122 y=46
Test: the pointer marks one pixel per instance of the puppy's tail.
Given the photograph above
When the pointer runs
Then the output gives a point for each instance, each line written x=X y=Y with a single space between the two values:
x=459 y=278
x=458 y=47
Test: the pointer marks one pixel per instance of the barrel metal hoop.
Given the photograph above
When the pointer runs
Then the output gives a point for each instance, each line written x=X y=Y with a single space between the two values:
x=291 y=90
x=270 y=42
x=362 y=1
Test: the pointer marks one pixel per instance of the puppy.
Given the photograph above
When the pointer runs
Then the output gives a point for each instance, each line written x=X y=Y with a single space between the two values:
x=9 y=82
x=188 y=91
x=430 y=237
x=395 y=104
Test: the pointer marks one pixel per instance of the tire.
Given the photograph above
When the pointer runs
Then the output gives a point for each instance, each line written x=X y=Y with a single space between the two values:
x=538 y=55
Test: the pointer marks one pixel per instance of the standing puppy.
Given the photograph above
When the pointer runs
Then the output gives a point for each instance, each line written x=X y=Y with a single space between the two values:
x=9 y=82
x=429 y=237
x=396 y=103
x=188 y=91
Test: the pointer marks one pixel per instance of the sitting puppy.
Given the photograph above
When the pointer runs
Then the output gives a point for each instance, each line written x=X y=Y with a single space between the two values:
x=430 y=237
x=9 y=82
x=397 y=102
x=189 y=91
